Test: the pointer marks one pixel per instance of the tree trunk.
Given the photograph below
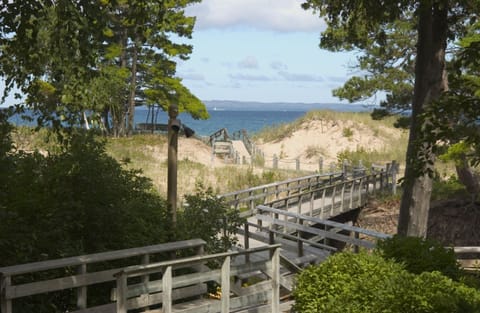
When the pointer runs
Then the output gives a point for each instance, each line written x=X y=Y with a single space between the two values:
x=133 y=89
x=430 y=83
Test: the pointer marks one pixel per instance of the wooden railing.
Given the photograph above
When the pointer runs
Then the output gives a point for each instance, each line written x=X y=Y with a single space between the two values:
x=333 y=199
x=246 y=200
x=468 y=257
x=79 y=282
x=337 y=184
x=261 y=296
x=221 y=134
x=310 y=238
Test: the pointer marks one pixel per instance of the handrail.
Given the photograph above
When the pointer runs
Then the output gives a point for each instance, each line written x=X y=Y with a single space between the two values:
x=332 y=224
x=168 y=281
x=98 y=257
x=79 y=281
x=140 y=270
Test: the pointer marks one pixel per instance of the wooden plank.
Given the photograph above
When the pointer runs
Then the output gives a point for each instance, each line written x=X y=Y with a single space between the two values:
x=317 y=231
x=208 y=306
x=225 y=283
x=460 y=250
x=167 y=290
x=275 y=279
x=99 y=257
x=315 y=220
x=73 y=281
x=157 y=298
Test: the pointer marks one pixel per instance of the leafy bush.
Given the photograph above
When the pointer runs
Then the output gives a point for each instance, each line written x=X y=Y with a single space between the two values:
x=448 y=188
x=208 y=217
x=75 y=202
x=420 y=255
x=363 y=282
x=347 y=132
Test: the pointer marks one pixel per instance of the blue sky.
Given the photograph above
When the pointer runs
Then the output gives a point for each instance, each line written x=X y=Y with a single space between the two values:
x=261 y=50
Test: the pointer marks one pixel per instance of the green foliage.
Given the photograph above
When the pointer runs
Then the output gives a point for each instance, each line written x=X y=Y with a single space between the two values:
x=420 y=255
x=314 y=151
x=347 y=132
x=70 y=57
x=75 y=202
x=363 y=155
x=208 y=217
x=348 y=282
x=447 y=188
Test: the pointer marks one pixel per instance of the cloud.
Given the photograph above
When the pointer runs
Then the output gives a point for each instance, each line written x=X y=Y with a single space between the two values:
x=300 y=77
x=249 y=62
x=337 y=79
x=250 y=77
x=191 y=74
x=278 y=66
x=272 y=15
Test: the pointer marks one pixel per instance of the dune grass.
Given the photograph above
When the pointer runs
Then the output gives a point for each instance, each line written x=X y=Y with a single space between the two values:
x=281 y=131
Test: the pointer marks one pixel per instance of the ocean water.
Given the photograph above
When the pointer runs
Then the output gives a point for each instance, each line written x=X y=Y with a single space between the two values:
x=249 y=119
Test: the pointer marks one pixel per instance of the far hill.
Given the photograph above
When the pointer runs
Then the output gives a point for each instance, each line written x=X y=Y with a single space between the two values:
x=283 y=106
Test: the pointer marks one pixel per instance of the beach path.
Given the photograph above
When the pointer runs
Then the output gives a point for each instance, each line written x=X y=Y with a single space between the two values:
x=242 y=151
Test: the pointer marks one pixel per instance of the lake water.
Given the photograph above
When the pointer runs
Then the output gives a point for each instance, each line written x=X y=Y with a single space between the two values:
x=233 y=120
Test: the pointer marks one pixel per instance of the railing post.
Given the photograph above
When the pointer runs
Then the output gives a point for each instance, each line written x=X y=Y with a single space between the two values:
x=275 y=162
x=344 y=168
x=297 y=164
x=312 y=203
x=225 y=282
x=275 y=277
x=299 y=240
x=320 y=165
x=246 y=241
x=360 y=189
x=394 y=176
x=122 y=293
x=82 y=291
x=252 y=201
x=352 y=189
x=167 y=290
x=5 y=304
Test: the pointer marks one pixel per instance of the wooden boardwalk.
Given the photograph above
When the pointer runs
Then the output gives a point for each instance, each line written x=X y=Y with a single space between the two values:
x=288 y=226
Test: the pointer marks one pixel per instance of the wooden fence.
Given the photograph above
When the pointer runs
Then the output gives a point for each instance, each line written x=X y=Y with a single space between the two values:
x=249 y=198
x=81 y=278
x=233 y=298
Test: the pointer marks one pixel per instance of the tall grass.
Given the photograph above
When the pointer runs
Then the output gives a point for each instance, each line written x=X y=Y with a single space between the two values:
x=281 y=131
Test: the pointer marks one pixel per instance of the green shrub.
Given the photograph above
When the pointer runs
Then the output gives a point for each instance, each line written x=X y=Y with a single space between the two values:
x=78 y=201
x=347 y=132
x=208 y=217
x=363 y=282
x=420 y=255
x=448 y=188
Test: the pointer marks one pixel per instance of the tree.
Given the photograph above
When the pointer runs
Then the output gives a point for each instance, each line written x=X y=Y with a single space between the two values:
x=362 y=24
x=69 y=57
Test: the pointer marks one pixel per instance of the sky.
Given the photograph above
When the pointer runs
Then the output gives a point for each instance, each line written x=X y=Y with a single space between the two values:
x=261 y=50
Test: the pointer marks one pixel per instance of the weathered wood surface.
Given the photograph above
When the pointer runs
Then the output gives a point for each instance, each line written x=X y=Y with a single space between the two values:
x=269 y=292
x=322 y=193
x=10 y=291
x=249 y=198
x=468 y=257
